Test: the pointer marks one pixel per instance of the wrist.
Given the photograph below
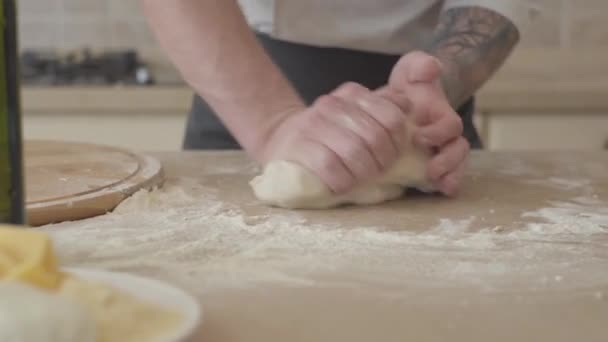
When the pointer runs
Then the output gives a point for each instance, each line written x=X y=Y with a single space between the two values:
x=252 y=112
x=261 y=144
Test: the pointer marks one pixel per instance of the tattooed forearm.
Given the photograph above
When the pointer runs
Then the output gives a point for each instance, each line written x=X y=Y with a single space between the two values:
x=472 y=43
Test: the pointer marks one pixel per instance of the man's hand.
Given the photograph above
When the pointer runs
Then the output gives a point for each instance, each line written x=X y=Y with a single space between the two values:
x=471 y=43
x=417 y=77
x=353 y=134
x=346 y=137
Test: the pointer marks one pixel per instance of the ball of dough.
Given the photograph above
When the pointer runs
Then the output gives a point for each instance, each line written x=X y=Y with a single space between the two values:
x=28 y=314
x=289 y=185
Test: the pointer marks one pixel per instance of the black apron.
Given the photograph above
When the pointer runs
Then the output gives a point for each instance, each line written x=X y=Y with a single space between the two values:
x=313 y=71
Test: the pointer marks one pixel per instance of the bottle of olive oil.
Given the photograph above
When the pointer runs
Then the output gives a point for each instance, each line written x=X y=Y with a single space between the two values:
x=12 y=200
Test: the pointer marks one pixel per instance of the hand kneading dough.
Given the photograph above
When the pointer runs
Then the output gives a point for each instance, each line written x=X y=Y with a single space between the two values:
x=289 y=185
x=29 y=314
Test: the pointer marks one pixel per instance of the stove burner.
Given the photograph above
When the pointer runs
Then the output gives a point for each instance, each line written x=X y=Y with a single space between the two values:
x=83 y=67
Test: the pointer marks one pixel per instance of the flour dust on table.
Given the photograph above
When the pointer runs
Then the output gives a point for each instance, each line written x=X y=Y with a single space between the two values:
x=205 y=243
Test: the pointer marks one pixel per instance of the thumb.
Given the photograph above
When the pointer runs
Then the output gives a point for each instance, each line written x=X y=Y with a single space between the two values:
x=415 y=67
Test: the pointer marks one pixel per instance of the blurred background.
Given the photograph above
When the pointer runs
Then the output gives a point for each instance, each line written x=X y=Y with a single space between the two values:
x=95 y=64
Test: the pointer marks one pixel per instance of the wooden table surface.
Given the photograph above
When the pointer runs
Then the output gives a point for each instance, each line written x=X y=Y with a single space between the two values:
x=520 y=255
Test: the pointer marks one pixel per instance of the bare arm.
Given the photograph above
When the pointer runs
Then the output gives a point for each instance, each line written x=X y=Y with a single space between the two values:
x=472 y=43
x=217 y=54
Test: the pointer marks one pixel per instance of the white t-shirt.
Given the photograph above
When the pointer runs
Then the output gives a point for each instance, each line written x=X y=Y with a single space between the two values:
x=384 y=26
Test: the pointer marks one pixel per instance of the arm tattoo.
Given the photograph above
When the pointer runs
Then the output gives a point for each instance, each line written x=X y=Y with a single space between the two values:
x=471 y=43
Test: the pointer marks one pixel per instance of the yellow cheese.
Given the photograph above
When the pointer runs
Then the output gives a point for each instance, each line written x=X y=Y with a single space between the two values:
x=28 y=256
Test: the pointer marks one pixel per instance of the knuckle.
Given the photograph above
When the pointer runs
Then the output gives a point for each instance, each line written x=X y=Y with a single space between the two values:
x=312 y=122
x=373 y=100
x=326 y=102
x=351 y=88
x=402 y=102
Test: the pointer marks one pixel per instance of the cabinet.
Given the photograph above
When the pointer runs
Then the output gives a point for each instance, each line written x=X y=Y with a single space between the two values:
x=566 y=115
x=147 y=118
x=544 y=131
x=136 y=131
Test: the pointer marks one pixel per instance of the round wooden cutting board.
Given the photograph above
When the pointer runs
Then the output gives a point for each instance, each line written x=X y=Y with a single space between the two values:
x=67 y=181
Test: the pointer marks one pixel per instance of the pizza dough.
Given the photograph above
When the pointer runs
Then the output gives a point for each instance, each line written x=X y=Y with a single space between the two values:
x=289 y=185
x=29 y=314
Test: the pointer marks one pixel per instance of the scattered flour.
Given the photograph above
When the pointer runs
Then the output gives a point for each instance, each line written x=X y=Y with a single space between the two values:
x=559 y=183
x=570 y=218
x=203 y=243
x=517 y=167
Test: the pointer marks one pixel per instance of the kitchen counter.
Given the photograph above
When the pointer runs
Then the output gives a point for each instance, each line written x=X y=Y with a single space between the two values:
x=532 y=80
x=520 y=255
x=542 y=96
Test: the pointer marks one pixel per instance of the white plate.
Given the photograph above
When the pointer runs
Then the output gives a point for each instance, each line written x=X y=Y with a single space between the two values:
x=153 y=291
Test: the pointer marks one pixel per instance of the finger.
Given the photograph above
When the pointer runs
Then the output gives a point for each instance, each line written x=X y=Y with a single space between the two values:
x=448 y=158
x=440 y=131
x=370 y=114
x=375 y=136
x=324 y=163
x=350 y=90
x=415 y=100
x=423 y=68
x=396 y=97
x=388 y=115
x=415 y=67
x=354 y=91
x=425 y=102
x=451 y=183
x=352 y=148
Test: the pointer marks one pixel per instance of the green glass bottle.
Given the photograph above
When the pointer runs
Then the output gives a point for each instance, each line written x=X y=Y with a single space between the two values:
x=12 y=200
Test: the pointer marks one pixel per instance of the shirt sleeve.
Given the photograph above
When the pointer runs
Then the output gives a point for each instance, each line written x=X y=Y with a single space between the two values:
x=522 y=13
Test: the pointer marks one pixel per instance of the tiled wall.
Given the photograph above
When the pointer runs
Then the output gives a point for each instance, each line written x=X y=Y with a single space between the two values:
x=69 y=24
x=65 y=25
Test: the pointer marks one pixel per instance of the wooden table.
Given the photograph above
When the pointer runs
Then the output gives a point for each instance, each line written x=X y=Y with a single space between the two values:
x=520 y=255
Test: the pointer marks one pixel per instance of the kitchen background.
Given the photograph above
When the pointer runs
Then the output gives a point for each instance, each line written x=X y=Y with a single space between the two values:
x=552 y=94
